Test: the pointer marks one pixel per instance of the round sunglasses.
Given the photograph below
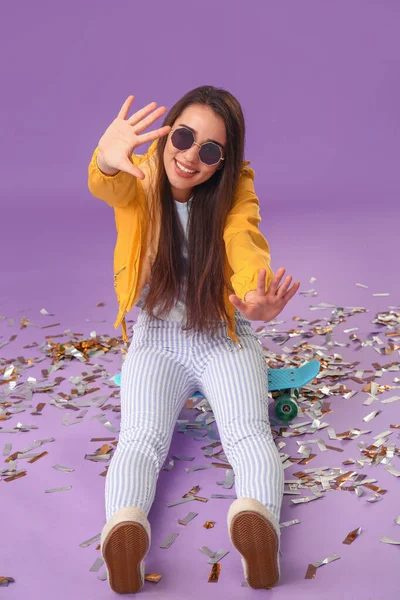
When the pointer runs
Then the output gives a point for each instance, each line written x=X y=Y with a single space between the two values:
x=210 y=153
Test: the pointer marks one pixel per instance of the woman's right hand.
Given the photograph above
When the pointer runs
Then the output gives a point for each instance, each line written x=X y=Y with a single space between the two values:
x=121 y=138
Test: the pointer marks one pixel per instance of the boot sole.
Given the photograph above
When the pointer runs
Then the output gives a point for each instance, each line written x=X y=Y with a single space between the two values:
x=256 y=540
x=123 y=551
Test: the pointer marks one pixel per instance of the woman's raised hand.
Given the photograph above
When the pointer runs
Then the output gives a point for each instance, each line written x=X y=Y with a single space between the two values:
x=123 y=135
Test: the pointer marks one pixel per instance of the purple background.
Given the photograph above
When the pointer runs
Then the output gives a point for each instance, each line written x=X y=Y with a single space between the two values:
x=319 y=85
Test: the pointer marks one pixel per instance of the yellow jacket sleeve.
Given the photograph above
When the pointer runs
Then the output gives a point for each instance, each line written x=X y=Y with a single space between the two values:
x=246 y=248
x=117 y=190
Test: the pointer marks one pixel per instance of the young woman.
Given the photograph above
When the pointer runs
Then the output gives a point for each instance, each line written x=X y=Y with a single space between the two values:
x=189 y=253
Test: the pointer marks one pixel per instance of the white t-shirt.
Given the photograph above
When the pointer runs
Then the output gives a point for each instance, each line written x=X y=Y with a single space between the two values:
x=177 y=313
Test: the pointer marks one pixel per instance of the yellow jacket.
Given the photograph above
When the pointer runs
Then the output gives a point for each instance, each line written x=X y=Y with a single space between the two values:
x=247 y=251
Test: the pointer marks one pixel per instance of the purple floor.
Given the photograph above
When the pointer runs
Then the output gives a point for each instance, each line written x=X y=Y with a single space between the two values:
x=61 y=261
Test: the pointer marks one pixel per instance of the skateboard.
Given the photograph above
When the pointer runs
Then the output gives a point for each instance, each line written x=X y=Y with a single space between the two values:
x=285 y=381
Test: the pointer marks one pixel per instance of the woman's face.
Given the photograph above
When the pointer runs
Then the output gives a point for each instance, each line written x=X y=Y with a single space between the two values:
x=206 y=126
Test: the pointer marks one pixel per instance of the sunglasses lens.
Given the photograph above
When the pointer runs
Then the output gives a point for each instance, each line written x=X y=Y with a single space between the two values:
x=210 y=154
x=182 y=139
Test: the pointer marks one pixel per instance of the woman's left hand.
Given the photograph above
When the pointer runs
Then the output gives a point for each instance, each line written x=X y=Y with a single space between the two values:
x=264 y=305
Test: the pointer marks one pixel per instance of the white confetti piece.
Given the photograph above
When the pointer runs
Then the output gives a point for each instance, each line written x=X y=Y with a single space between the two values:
x=387 y=540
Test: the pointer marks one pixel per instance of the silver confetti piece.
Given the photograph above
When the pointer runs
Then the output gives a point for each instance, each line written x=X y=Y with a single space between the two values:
x=59 y=489
x=218 y=556
x=206 y=550
x=169 y=540
x=387 y=540
x=305 y=499
x=98 y=563
x=289 y=523
x=229 y=479
x=92 y=540
x=180 y=457
x=64 y=469
x=224 y=496
x=391 y=399
x=371 y=416
x=180 y=501
x=326 y=560
x=392 y=470
x=7 y=449
x=189 y=517
x=199 y=468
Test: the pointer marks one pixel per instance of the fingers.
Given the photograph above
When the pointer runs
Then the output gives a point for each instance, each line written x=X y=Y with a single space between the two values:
x=140 y=114
x=292 y=291
x=153 y=135
x=262 y=274
x=284 y=287
x=145 y=123
x=123 y=113
x=276 y=280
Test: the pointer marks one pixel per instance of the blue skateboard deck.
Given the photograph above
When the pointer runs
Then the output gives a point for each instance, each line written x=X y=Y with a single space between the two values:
x=285 y=379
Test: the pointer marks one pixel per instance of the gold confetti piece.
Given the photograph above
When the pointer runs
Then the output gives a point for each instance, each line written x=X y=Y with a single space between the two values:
x=53 y=325
x=210 y=524
x=153 y=577
x=336 y=449
x=100 y=305
x=7 y=479
x=311 y=572
x=4 y=581
x=32 y=460
x=192 y=492
x=215 y=571
x=352 y=536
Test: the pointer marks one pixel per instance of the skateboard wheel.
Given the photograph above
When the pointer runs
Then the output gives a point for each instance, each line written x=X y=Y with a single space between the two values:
x=286 y=409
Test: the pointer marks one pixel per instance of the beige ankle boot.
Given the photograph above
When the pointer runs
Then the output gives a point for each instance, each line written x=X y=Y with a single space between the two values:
x=254 y=531
x=125 y=541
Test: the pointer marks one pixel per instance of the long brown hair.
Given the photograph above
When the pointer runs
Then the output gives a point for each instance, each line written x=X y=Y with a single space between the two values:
x=212 y=200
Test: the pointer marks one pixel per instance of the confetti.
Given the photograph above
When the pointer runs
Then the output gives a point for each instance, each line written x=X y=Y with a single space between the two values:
x=371 y=416
x=169 y=540
x=300 y=341
x=352 y=536
x=214 y=575
x=312 y=568
x=153 y=577
x=387 y=540
x=189 y=517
